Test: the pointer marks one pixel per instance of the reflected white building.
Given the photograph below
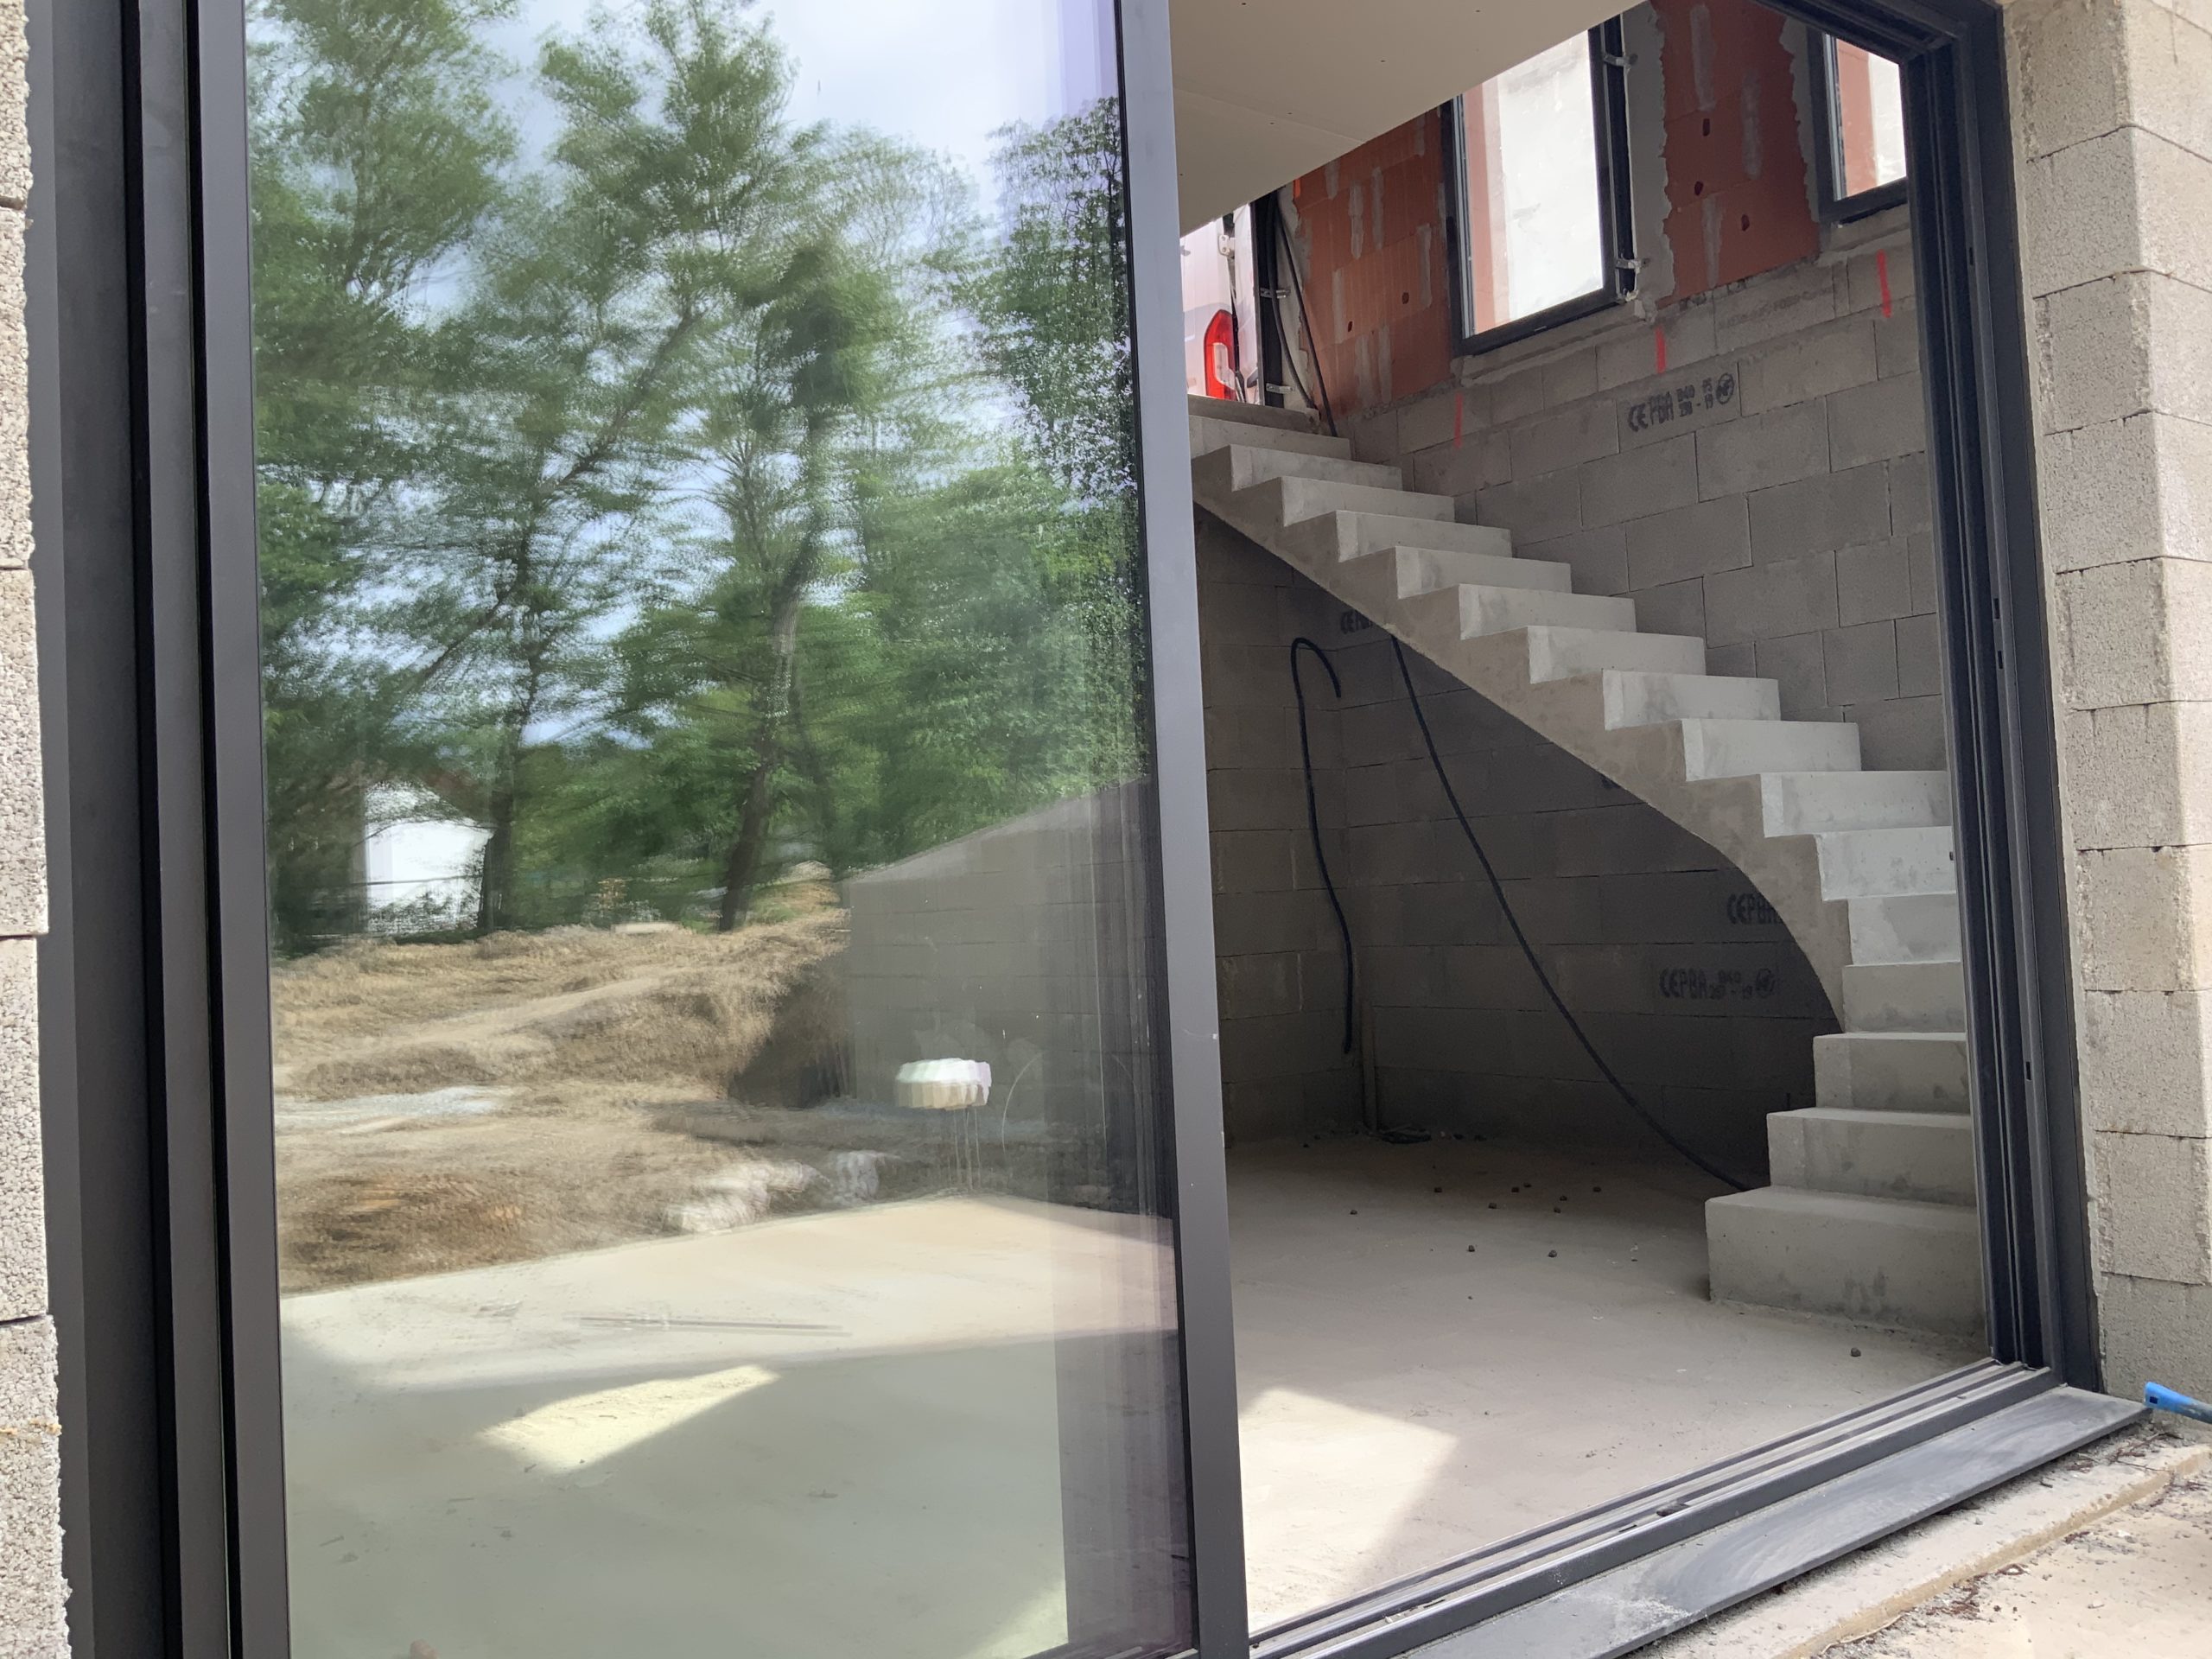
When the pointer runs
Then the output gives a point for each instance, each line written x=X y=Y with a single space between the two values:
x=413 y=859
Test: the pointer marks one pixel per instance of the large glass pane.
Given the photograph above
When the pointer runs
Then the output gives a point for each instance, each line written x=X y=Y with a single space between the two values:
x=1535 y=212
x=720 y=1125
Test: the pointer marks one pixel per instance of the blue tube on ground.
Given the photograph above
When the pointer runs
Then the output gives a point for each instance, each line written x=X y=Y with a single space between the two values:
x=2164 y=1399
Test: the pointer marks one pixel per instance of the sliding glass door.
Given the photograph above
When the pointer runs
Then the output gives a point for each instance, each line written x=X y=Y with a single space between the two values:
x=724 y=1185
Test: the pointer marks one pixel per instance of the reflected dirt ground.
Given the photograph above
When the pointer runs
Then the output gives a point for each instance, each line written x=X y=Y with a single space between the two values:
x=454 y=1105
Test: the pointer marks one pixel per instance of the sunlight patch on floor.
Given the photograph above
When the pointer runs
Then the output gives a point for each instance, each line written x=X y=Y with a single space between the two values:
x=570 y=1435
x=1297 y=1444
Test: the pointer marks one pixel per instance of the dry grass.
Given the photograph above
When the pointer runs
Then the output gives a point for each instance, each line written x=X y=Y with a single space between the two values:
x=665 y=1007
x=443 y=1106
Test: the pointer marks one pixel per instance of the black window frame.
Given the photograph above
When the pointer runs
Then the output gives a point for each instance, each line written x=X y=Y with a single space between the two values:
x=161 y=1222
x=1616 y=207
x=1836 y=208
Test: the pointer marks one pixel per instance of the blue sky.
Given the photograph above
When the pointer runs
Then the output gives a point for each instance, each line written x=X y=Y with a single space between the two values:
x=943 y=73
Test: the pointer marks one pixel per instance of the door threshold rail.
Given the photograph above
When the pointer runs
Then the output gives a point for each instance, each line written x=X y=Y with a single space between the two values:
x=1534 y=1565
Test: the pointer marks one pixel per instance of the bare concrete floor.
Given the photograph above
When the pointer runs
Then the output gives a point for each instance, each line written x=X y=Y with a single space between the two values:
x=1406 y=1399
x=838 y=1436
x=869 y=1432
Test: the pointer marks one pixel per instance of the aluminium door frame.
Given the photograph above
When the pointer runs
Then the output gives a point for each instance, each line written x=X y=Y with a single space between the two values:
x=157 y=1041
x=163 y=1223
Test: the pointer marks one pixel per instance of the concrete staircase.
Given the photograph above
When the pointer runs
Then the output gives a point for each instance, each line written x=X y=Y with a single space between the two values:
x=1870 y=1216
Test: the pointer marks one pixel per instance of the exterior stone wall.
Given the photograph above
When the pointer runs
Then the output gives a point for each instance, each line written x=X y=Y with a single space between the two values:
x=2112 y=126
x=31 y=1534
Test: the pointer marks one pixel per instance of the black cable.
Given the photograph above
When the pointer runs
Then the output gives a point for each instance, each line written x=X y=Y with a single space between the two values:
x=1306 y=321
x=1514 y=922
x=1313 y=818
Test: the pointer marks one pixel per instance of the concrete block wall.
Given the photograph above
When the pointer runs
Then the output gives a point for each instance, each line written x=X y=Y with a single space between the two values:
x=1278 y=953
x=1680 y=972
x=1768 y=489
x=31 y=1620
x=2113 y=125
x=1022 y=945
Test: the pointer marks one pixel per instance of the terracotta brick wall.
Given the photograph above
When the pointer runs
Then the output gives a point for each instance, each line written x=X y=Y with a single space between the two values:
x=1736 y=197
x=1370 y=232
x=1370 y=227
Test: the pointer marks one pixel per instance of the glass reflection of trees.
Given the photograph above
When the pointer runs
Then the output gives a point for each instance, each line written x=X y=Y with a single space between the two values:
x=668 y=490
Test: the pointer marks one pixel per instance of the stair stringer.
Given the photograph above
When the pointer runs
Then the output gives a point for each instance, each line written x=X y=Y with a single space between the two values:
x=1648 y=761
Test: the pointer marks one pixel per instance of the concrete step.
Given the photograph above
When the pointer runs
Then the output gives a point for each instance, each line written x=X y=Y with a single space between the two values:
x=1904 y=996
x=1208 y=434
x=1905 y=927
x=1633 y=698
x=1807 y=804
x=1738 y=748
x=1891 y=1071
x=1262 y=415
x=1241 y=466
x=1873 y=863
x=1431 y=570
x=1878 y=1260
x=1355 y=535
x=1293 y=500
x=1927 y=1157
x=1501 y=610
x=1562 y=653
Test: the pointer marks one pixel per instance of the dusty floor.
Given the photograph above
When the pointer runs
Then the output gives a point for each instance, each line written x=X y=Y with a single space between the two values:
x=1406 y=1399
x=592 y=1346
x=833 y=1435
x=2138 y=1583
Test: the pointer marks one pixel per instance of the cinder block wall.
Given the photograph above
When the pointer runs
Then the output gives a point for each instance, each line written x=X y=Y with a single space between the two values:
x=1693 y=991
x=1768 y=491
x=1680 y=973
x=1278 y=952
x=30 y=1532
x=2112 y=126
x=1020 y=945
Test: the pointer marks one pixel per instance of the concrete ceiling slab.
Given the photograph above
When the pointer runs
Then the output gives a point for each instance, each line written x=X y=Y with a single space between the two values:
x=1268 y=90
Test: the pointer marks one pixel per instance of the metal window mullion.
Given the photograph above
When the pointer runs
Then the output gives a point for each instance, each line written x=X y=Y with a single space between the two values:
x=238 y=904
x=2016 y=948
x=1186 y=899
x=191 y=1284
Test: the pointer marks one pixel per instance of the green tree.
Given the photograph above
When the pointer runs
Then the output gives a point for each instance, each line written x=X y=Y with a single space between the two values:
x=377 y=150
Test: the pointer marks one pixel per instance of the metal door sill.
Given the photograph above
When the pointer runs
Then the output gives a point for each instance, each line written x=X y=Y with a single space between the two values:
x=1615 y=1578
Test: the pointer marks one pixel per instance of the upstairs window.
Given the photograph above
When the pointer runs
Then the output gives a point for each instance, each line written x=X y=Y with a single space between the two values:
x=1543 y=228
x=1861 y=109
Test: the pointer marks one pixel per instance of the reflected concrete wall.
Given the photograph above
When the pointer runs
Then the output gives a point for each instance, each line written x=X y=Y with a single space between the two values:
x=1025 y=946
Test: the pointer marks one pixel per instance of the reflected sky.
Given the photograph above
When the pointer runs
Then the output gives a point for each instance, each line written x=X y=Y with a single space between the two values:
x=893 y=65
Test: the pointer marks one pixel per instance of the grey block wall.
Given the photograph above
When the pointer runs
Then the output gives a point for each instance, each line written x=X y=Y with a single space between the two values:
x=1023 y=945
x=1692 y=991
x=1279 y=955
x=31 y=1593
x=1767 y=491
x=1682 y=976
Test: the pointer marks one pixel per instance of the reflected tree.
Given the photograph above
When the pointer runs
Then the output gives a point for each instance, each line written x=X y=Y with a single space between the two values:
x=377 y=154
x=682 y=491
